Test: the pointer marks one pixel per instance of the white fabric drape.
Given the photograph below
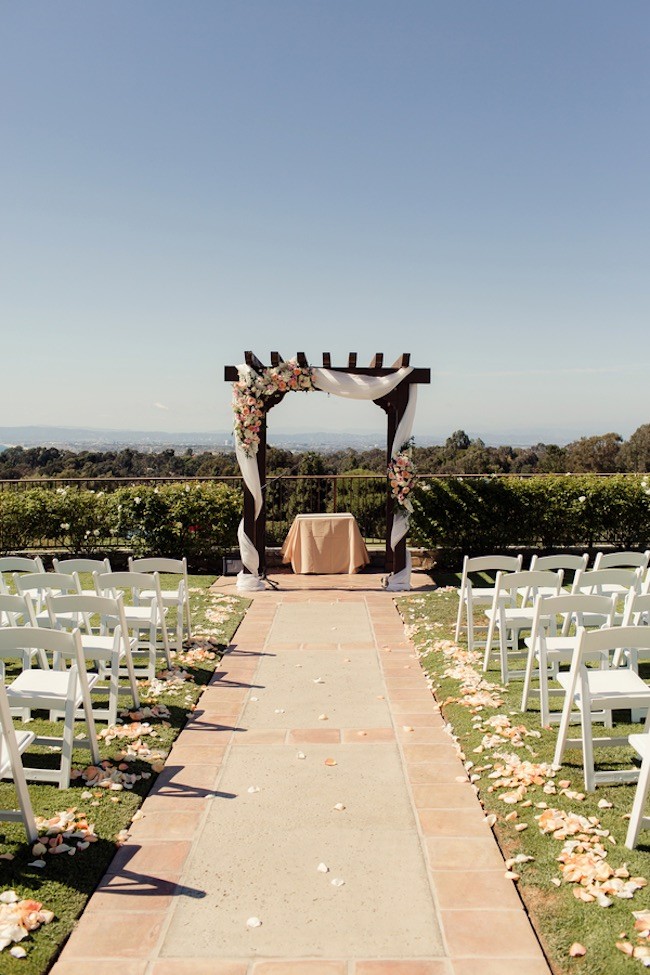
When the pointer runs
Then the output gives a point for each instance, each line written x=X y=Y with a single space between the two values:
x=351 y=387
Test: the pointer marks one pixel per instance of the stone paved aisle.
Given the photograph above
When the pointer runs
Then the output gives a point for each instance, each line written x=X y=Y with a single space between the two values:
x=298 y=758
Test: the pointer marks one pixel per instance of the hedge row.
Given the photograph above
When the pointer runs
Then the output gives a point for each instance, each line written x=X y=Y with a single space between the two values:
x=200 y=520
x=491 y=513
x=197 y=520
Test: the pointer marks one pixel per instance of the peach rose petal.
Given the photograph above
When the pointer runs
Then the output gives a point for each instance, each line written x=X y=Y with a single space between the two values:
x=577 y=950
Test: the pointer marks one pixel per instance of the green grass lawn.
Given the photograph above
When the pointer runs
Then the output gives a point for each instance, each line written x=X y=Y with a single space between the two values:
x=558 y=916
x=66 y=881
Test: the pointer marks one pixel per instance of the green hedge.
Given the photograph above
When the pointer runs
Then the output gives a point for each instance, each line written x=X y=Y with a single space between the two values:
x=197 y=520
x=492 y=513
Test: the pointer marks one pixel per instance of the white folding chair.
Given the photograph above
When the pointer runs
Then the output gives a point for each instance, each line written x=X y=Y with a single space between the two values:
x=16 y=563
x=149 y=618
x=76 y=566
x=108 y=651
x=470 y=594
x=563 y=560
x=590 y=690
x=641 y=744
x=622 y=560
x=510 y=615
x=547 y=648
x=177 y=598
x=64 y=689
x=636 y=612
x=13 y=743
x=19 y=611
x=608 y=582
x=38 y=584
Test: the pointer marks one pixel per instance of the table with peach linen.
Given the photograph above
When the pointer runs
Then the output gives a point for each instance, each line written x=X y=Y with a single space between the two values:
x=325 y=544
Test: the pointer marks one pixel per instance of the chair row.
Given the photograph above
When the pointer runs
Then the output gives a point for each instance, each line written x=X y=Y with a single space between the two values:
x=603 y=661
x=475 y=592
x=171 y=596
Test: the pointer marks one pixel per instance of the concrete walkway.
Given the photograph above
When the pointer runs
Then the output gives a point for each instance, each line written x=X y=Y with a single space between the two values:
x=316 y=790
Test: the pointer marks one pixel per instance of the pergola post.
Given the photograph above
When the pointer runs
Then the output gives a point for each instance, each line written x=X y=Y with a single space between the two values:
x=394 y=405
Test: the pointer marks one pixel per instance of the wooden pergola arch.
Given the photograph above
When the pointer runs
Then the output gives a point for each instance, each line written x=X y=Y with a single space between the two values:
x=394 y=405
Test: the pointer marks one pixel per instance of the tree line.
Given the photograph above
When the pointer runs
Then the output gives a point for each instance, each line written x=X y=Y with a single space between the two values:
x=607 y=453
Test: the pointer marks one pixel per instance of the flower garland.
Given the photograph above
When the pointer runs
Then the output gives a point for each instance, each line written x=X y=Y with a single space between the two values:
x=253 y=389
x=401 y=474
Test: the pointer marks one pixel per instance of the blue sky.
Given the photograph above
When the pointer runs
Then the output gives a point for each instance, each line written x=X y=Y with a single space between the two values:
x=466 y=181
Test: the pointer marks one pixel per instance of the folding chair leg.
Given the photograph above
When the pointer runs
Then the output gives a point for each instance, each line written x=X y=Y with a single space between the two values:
x=113 y=689
x=528 y=677
x=636 y=816
x=66 y=745
x=459 y=618
x=488 y=645
x=587 y=747
x=503 y=653
x=563 y=733
x=544 y=708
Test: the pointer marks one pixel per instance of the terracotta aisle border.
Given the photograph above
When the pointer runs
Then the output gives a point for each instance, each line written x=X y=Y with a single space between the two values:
x=132 y=915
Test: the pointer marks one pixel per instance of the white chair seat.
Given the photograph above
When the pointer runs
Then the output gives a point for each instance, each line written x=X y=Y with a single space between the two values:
x=44 y=689
x=168 y=595
x=611 y=689
x=514 y=615
x=558 y=647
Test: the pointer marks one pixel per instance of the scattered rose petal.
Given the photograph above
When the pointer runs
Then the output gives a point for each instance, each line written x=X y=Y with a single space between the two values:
x=337 y=882
x=330 y=761
x=407 y=727
x=279 y=710
x=39 y=864
x=301 y=755
x=254 y=699
x=323 y=717
x=18 y=952
x=323 y=868
x=253 y=788
x=577 y=950
x=253 y=922
x=339 y=807
x=491 y=819
x=605 y=804
x=318 y=680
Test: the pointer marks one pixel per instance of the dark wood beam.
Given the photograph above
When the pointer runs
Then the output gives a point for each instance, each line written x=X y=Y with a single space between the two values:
x=327 y=360
x=302 y=360
x=377 y=360
x=352 y=360
x=422 y=376
x=253 y=362
x=404 y=360
x=276 y=359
